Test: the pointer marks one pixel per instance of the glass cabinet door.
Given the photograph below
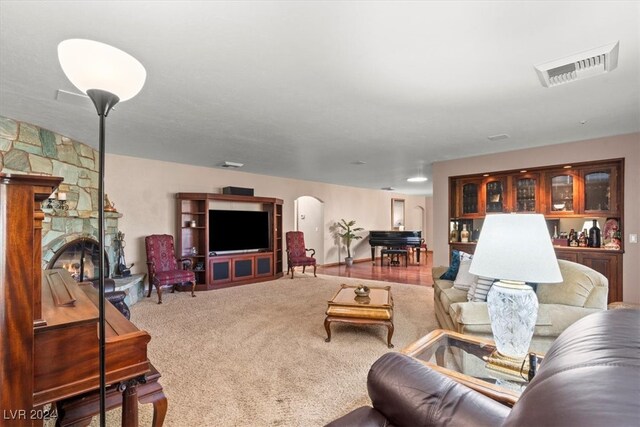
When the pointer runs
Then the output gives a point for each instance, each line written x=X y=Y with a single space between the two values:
x=562 y=193
x=526 y=195
x=494 y=191
x=470 y=198
x=597 y=191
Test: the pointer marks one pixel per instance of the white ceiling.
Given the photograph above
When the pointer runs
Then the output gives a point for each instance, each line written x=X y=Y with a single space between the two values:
x=303 y=89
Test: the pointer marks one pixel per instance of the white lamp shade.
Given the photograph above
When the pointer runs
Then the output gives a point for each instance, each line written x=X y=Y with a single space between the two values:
x=516 y=247
x=93 y=65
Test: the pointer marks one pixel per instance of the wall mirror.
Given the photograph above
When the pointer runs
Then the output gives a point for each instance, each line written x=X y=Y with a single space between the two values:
x=397 y=214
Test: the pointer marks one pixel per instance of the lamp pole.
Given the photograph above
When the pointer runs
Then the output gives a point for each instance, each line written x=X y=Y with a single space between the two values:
x=103 y=102
x=108 y=76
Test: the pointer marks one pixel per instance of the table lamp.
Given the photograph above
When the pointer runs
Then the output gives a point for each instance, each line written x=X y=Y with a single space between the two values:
x=514 y=248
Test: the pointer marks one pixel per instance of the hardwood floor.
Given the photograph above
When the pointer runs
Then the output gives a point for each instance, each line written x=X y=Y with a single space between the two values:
x=413 y=274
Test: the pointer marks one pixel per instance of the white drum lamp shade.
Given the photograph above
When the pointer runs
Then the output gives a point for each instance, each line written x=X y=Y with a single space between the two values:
x=93 y=65
x=514 y=248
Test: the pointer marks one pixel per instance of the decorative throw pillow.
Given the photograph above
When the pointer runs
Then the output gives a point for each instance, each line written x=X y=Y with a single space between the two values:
x=472 y=290
x=465 y=256
x=483 y=284
x=456 y=258
x=464 y=279
x=452 y=271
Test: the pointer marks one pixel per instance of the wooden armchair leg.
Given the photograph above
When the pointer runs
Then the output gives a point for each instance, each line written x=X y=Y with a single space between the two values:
x=304 y=268
x=292 y=272
x=193 y=289
x=159 y=294
x=314 y=270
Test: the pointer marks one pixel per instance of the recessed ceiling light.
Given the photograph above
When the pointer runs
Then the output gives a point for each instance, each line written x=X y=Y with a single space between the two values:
x=358 y=162
x=583 y=122
x=567 y=167
x=417 y=179
x=498 y=137
x=486 y=174
x=388 y=188
x=523 y=171
x=232 y=165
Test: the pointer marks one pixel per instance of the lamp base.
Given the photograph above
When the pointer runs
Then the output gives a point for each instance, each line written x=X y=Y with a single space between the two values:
x=513 y=309
x=508 y=366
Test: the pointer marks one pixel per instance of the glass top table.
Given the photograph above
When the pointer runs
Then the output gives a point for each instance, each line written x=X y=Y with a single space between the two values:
x=463 y=359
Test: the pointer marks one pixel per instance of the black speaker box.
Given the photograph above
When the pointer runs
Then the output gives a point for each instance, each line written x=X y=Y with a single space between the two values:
x=238 y=191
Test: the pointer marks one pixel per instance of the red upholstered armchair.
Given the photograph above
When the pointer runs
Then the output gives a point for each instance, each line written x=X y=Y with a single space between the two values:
x=297 y=252
x=163 y=265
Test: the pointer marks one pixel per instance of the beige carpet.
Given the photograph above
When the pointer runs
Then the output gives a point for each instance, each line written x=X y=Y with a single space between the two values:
x=256 y=355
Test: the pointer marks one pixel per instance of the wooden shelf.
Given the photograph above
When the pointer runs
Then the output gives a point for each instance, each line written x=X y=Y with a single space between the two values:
x=575 y=191
x=228 y=270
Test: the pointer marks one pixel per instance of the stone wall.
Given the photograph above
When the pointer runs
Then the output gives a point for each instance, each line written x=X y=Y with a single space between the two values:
x=25 y=148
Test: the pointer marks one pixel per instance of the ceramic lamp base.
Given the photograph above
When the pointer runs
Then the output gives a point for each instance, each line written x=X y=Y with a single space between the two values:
x=513 y=309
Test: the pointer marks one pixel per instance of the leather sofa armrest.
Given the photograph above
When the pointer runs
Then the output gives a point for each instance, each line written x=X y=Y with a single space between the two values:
x=364 y=416
x=408 y=393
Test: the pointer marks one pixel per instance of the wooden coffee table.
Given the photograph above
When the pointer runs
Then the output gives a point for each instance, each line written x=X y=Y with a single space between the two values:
x=376 y=309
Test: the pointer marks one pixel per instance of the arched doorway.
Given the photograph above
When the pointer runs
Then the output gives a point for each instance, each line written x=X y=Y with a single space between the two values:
x=309 y=213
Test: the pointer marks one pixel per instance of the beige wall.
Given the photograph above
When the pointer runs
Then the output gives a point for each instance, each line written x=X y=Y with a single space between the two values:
x=143 y=191
x=622 y=146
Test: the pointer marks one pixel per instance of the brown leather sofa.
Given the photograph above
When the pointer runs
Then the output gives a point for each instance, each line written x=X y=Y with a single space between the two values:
x=589 y=377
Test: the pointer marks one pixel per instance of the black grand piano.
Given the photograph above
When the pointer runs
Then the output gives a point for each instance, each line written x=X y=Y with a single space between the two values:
x=395 y=239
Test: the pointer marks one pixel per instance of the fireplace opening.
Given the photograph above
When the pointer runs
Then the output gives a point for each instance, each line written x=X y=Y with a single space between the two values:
x=80 y=257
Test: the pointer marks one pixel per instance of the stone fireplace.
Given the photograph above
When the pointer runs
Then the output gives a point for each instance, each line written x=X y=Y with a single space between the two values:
x=60 y=231
x=28 y=149
x=81 y=258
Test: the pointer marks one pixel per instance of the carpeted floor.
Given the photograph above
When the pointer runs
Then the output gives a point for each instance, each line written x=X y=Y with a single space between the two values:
x=256 y=355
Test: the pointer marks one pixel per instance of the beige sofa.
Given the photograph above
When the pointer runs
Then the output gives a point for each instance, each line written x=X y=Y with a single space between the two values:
x=583 y=291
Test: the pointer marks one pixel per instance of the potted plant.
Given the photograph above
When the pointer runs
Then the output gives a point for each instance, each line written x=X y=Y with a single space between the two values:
x=348 y=234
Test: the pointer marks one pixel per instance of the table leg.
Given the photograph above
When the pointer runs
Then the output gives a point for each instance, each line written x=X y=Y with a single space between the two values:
x=130 y=403
x=327 y=326
x=159 y=412
x=390 y=334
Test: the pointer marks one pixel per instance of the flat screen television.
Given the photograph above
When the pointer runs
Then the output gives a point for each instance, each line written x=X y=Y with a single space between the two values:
x=238 y=230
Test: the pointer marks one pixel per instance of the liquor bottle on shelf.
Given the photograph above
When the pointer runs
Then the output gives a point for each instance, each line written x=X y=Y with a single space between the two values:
x=453 y=237
x=583 y=240
x=464 y=234
x=594 y=235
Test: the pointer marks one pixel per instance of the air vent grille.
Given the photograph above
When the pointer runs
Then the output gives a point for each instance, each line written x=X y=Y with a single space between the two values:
x=579 y=66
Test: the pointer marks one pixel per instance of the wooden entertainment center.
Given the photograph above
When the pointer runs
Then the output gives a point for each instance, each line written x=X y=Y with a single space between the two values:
x=219 y=271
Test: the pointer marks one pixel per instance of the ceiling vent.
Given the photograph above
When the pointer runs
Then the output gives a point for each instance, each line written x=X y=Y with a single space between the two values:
x=579 y=66
x=498 y=137
x=232 y=165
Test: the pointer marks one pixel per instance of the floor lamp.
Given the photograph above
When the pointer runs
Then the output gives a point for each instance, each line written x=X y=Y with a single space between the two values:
x=108 y=76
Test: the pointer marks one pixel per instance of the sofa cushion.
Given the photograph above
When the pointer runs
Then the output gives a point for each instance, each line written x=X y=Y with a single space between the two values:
x=439 y=285
x=464 y=279
x=450 y=296
x=578 y=281
x=476 y=313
